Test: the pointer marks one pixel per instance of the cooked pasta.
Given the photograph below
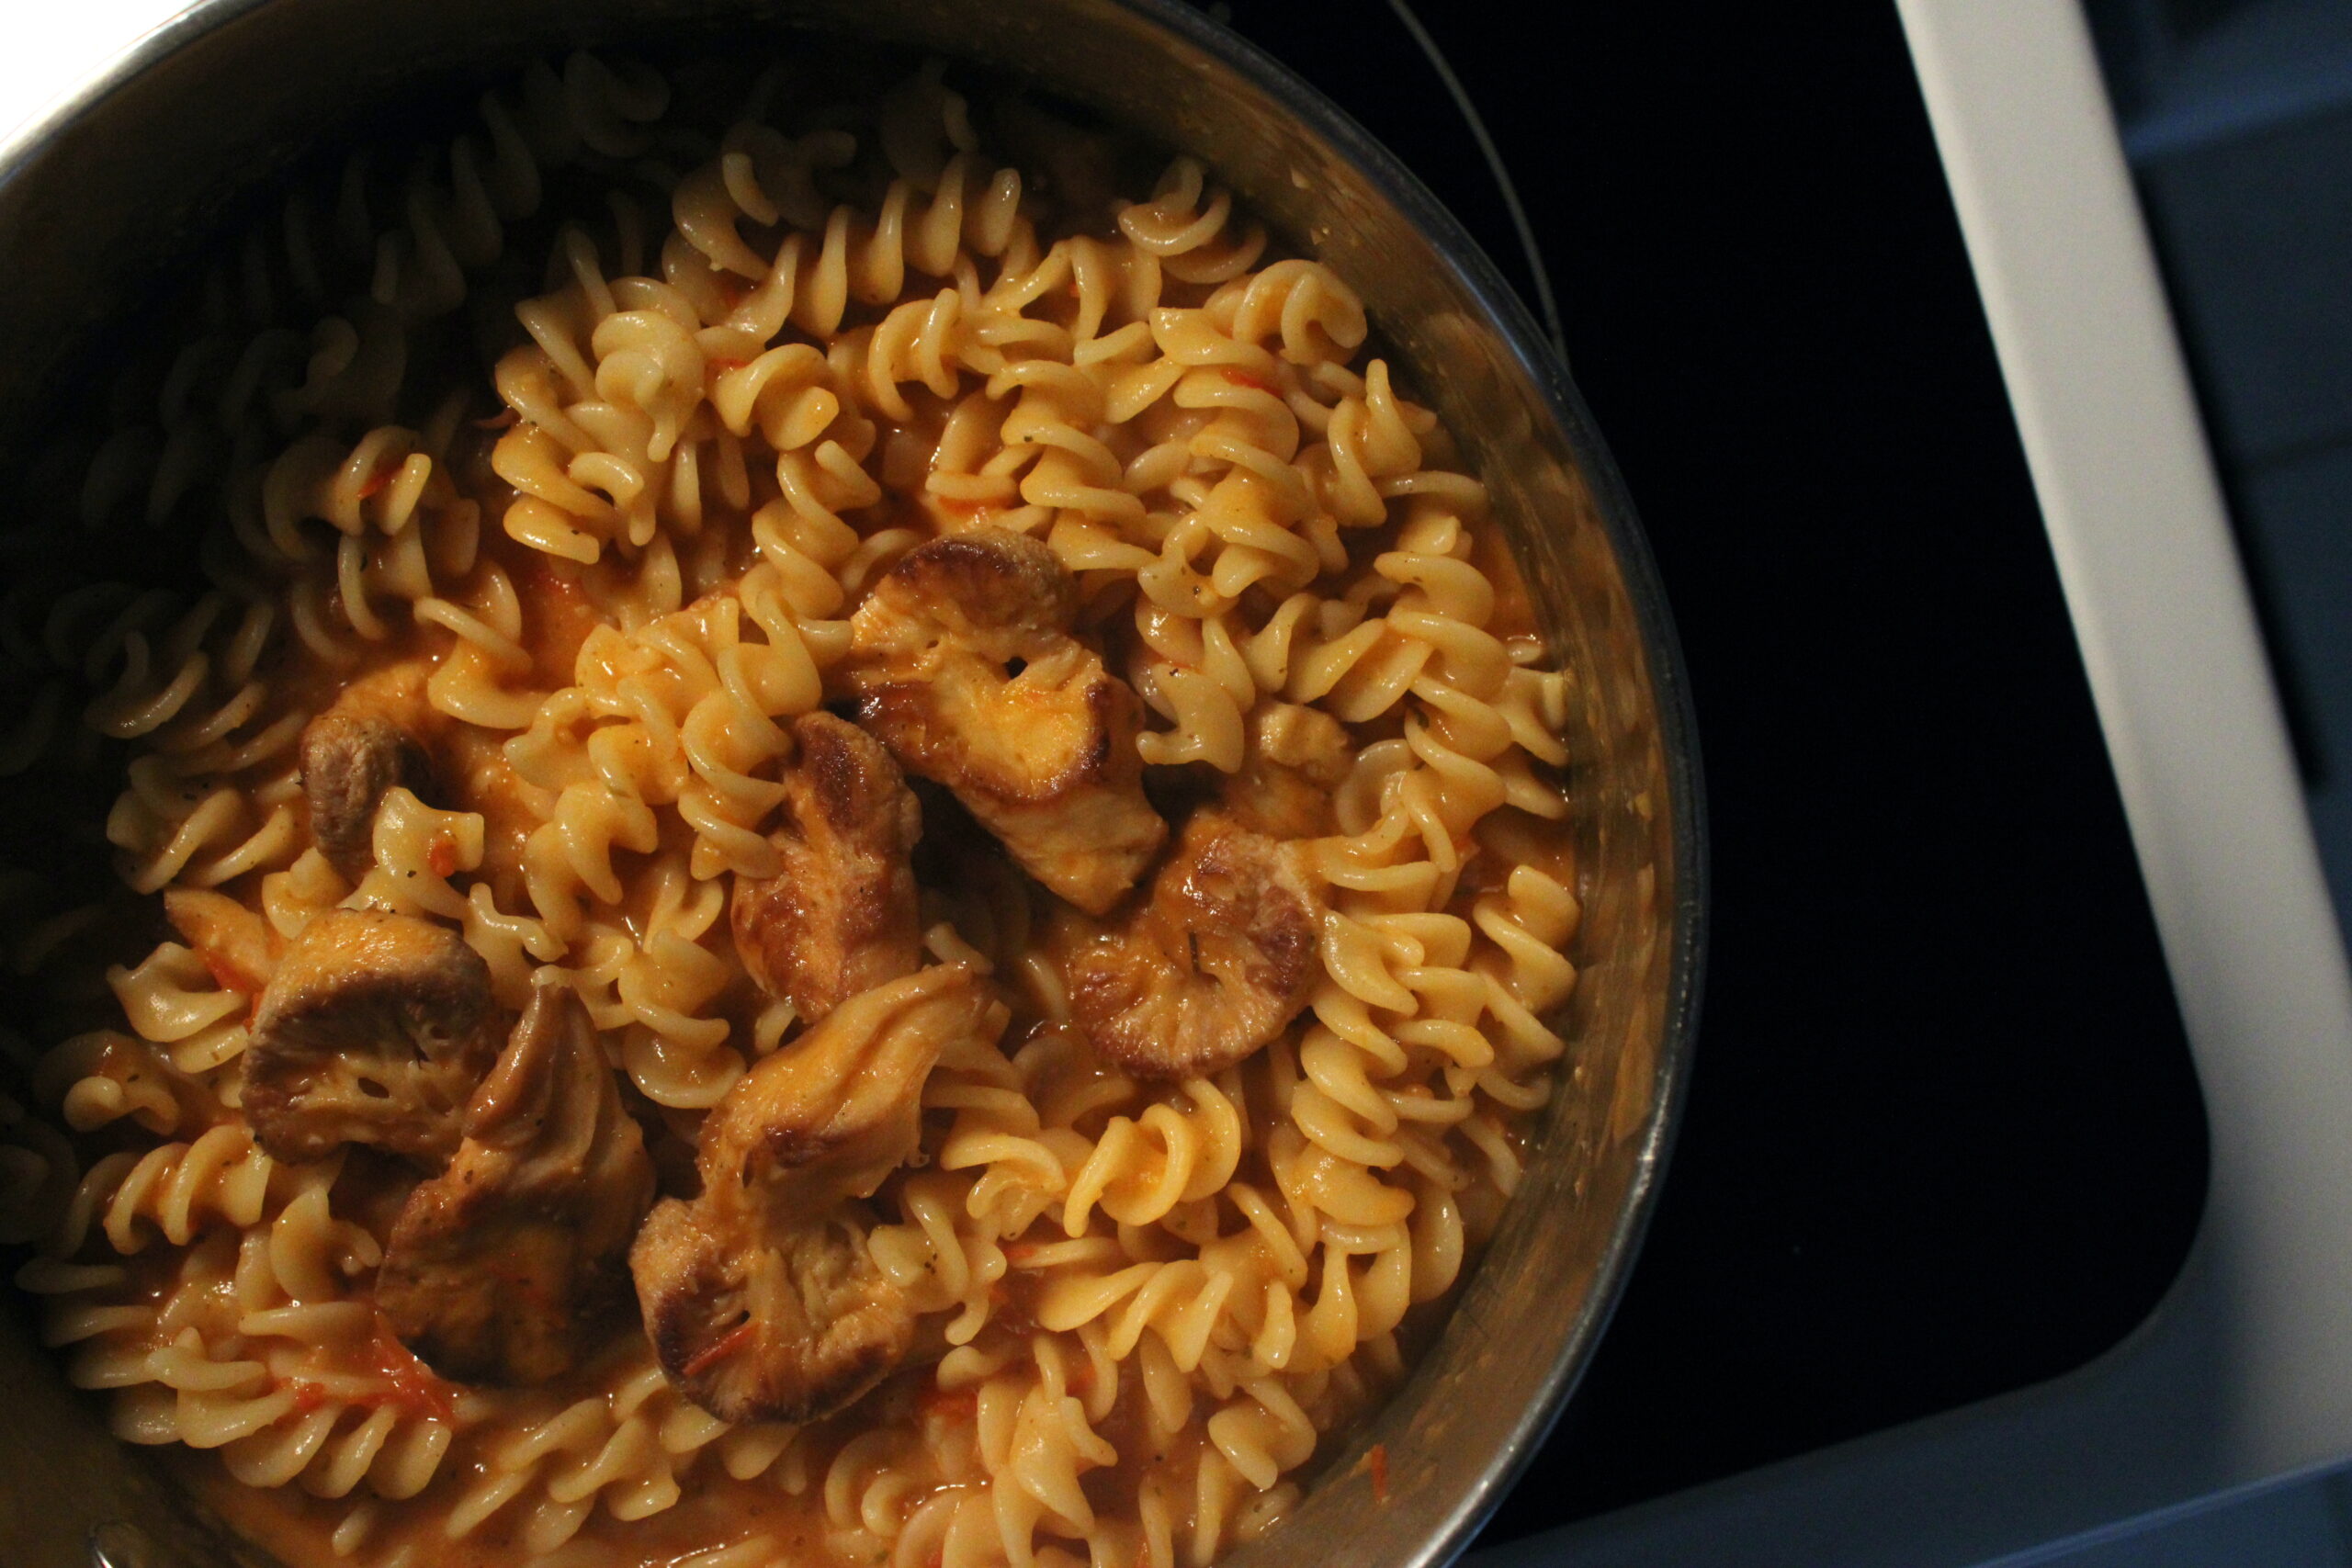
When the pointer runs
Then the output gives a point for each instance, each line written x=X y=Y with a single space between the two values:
x=552 y=500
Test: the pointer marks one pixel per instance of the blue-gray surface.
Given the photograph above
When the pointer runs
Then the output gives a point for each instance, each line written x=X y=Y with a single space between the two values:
x=2291 y=1527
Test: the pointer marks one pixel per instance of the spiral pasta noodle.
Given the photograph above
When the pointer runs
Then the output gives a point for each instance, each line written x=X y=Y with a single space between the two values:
x=740 y=362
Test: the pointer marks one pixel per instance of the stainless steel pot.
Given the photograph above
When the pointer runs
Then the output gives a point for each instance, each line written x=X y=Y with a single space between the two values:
x=127 y=176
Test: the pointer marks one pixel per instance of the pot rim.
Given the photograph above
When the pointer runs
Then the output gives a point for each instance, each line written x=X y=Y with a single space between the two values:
x=1529 y=348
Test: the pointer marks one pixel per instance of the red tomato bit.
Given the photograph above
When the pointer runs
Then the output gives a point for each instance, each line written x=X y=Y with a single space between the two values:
x=228 y=975
x=959 y=1405
x=718 y=1349
x=415 y=1385
x=1379 y=1460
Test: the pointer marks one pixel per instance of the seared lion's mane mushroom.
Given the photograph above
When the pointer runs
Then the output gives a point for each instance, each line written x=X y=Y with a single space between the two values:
x=759 y=1295
x=963 y=660
x=510 y=1266
x=371 y=741
x=841 y=914
x=1209 y=966
x=375 y=1028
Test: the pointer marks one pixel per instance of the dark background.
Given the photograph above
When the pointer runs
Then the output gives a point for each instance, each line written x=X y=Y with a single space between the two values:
x=1942 y=1139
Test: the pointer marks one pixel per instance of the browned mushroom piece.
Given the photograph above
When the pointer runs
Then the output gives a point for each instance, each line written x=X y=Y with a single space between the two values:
x=1206 y=969
x=1293 y=759
x=374 y=1028
x=373 y=739
x=841 y=915
x=964 y=660
x=511 y=1266
x=759 y=1295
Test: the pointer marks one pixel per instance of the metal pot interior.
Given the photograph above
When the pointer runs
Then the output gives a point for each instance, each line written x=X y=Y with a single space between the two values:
x=131 y=182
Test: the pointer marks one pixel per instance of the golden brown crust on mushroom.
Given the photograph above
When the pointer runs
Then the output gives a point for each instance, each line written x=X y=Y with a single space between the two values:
x=1209 y=968
x=989 y=587
x=759 y=1295
x=511 y=1266
x=720 y=1326
x=963 y=657
x=374 y=1029
x=373 y=739
x=842 y=915
x=1295 y=757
